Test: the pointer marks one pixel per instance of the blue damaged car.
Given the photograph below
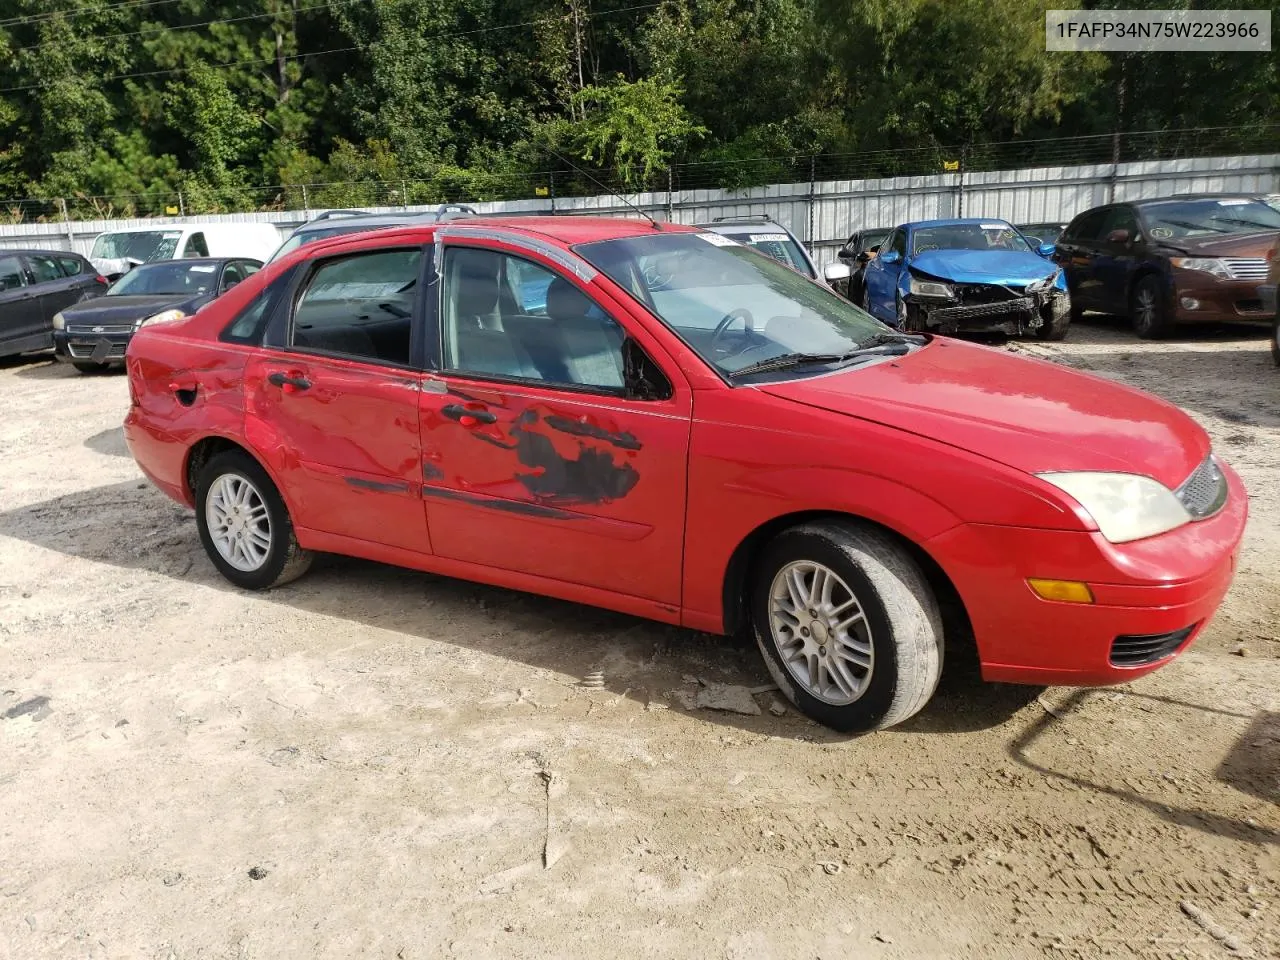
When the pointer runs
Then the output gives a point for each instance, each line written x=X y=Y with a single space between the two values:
x=967 y=276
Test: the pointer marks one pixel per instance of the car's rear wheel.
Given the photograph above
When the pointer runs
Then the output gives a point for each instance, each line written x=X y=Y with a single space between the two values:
x=1147 y=310
x=847 y=624
x=88 y=366
x=244 y=524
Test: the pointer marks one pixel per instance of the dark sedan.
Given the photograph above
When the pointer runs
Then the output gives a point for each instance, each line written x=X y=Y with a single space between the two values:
x=1176 y=260
x=93 y=335
x=34 y=286
x=857 y=251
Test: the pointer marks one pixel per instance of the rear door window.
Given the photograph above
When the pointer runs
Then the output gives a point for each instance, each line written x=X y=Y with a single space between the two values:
x=71 y=267
x=12 y=275
x=360 y=306
x=44 y=269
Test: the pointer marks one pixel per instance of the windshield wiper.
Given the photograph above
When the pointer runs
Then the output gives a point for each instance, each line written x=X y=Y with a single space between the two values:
x=787 y=360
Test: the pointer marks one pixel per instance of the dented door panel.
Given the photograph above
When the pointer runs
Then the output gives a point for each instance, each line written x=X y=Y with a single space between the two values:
x=576 y=487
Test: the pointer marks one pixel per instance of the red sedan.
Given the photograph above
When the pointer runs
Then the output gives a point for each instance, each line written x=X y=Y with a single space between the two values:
x=663 y=422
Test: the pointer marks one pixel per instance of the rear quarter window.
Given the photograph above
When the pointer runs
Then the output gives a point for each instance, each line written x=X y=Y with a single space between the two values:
x=250 y=323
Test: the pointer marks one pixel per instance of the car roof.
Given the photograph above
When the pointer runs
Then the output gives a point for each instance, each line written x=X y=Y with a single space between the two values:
x=954 y=222
x=32 y=251
x=573 y=229
x=1156 y=201
x=156 y=263
x=371 y=220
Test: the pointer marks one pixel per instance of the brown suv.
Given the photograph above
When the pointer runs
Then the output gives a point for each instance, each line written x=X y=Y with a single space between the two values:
x=1175 y=260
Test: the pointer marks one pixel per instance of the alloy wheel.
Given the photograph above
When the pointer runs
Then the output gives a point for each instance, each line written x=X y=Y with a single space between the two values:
x=821 y=632
x=239 y=523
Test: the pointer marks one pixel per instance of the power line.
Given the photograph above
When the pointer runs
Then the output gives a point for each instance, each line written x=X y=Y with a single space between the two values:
x=349 y=49
x=54 y=14
x=158 y=29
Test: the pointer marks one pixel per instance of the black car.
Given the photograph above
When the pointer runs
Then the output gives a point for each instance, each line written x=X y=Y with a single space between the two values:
x=35 y=285
x=1187 y=259
x=92 y=335
x=856 y=252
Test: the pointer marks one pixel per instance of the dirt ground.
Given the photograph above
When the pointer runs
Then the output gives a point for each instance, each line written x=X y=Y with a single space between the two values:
x=375 y=762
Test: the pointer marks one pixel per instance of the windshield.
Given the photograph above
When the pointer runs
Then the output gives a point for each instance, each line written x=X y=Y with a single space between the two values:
x=311 y=236
x=733 y=307
x=179 y=278
x=146 y=245
x=1206 y=218
x=779 y=246
x=968 y=236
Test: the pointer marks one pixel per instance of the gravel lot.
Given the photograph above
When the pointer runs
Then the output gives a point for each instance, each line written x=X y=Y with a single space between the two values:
x=376 y=762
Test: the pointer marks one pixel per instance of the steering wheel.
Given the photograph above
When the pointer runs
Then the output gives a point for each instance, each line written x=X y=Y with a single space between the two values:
x=654 y=277
x=739 y=314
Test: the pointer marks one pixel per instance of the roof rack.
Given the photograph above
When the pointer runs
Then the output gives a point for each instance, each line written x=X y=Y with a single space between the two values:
x=330 y=214
x=454 y=211
x=762 y=217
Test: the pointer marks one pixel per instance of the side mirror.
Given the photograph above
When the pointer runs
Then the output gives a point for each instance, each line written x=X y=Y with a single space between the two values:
x=1047 y=249
x=892 y=256
x=836 y=271
x=1118 y=236
x=845 y=253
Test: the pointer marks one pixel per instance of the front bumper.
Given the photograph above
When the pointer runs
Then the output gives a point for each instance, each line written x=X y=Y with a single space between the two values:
x=1147 y=593
x=1199 y=298
x=89 y=347
x=987 y=309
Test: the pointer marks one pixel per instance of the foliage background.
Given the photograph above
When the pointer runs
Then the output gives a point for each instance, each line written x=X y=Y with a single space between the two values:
x=119 y=105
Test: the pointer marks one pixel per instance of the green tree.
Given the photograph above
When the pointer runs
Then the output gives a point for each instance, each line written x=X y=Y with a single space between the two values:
x=634 y=127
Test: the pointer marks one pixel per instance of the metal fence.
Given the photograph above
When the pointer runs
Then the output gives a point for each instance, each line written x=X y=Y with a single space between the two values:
x=823 y=213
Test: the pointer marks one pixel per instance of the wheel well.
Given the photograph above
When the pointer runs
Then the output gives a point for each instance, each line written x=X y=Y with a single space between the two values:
x=741 y=569
x=201 y=453
x=1144 y=271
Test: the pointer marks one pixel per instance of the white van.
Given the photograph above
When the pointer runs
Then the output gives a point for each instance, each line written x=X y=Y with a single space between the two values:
x=116 y=251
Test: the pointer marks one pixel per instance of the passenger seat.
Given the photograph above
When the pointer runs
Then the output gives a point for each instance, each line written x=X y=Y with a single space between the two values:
x=590 y=342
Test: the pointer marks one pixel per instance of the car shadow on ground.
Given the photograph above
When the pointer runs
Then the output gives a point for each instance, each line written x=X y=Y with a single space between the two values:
x=132 y=526
x=1232 y=771
x=109 y=443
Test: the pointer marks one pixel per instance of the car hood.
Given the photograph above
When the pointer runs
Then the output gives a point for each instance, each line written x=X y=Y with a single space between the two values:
x=1235 y=245
x=1028 y=414
x=1008 y=267
x=109 y=309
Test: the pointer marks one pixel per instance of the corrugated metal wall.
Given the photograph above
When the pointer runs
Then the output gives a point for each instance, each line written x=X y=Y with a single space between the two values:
x=823 y=214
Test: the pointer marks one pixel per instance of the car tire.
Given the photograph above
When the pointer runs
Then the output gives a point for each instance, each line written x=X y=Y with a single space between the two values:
x=1147 y=310
x=88 y=366
x=1275 y=341
x=1055 y=328
x=900 y=312
x=253 y=545
x=887 y=656
x=866 y=300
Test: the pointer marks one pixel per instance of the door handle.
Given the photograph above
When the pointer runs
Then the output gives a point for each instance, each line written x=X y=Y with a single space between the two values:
x=468 y=416
x=288 y=382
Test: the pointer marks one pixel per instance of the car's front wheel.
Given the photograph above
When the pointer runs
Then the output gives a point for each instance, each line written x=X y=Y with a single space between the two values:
x=244 y=524
x=847 y=624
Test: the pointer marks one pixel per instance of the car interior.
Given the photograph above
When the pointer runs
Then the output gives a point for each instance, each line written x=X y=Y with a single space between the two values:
x=508 y=317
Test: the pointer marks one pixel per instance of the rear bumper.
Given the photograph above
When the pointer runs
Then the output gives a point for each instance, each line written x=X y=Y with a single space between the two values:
x=1146 y=592
x=159 y=455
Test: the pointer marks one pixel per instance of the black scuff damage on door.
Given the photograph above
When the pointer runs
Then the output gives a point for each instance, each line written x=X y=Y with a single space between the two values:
x=569 y=460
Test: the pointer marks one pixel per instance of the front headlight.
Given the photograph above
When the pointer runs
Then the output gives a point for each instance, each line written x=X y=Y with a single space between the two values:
x=931 y=288
x=1125 y=506
x=167 y=316
x=1037 y=285
x=1209 y=265
x=59 y=322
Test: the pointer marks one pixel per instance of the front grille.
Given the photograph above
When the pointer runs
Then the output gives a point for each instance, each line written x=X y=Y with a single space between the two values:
x=83 y=350
x=971 y=294
x=1135 y=650
x=100 y=328
x=1205 y=491
x=1022 y=305
x=1246 y=268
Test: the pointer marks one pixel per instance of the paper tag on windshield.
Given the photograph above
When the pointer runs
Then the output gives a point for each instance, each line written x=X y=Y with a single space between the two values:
x=718 y=240
x=995 y=226
x=204 y=267
x=768 y=238
x=1234 y=203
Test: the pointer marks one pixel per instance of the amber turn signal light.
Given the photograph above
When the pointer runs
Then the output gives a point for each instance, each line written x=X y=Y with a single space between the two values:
x=1067 y=591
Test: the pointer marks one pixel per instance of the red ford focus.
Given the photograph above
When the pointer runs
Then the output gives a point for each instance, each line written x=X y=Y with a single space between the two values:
x=665 y=423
